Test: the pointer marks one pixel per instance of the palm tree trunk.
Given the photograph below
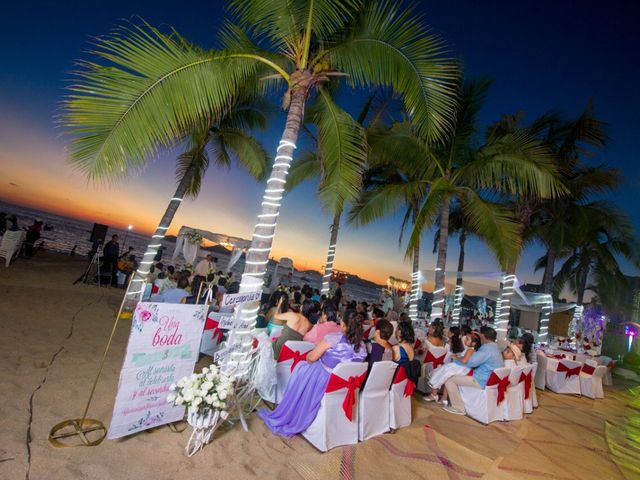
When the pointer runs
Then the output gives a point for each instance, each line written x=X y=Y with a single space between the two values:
x=547 y=276
x=240 y=339
x=416 y=284
x=136 y=286
x=582 y=286
x=441 y=263
x=463 y=239
x=331 y=253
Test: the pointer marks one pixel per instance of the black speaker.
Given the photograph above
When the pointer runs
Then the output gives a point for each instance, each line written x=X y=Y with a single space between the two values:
x=99 y=232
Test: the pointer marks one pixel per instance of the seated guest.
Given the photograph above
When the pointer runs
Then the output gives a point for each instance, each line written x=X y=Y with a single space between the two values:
x=328 y=323
x=435 y=335
x=403 y=351
x=440 y=376
x=196 y=287
x=483 y=362
x=376 y=315
x=173 y=295
x=525 y=344
x=513 y=357
x=381 y=349
x=306 y=387
x=296 y=325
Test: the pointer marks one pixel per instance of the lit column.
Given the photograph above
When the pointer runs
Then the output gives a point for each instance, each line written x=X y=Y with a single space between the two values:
x=437 y=306
x=416 y=293
x=457 y=305
x=576 y=320
x=547 y=310
x=503 y=306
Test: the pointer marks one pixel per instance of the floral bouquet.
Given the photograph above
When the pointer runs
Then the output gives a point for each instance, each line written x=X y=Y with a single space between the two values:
x=202 y=392
x=207 y=396
x=193 y=237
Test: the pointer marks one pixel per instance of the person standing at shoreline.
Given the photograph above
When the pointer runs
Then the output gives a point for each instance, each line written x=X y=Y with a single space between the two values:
x=110 y=254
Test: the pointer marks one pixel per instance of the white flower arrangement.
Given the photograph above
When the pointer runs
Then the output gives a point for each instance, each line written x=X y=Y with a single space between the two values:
x=203 y=392
x=193 y=237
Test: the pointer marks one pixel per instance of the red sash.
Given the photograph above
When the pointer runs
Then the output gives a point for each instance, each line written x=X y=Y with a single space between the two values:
x=435 y=361
x=351 y=384
x=287 y=354
x=401 y=375
x=365 y=335
x=588 y=369
x=569 y=372
x=502 y=385
x=211 y=324
x=527 y=383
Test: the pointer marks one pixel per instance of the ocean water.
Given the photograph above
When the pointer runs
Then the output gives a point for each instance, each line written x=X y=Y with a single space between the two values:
x=67 y=232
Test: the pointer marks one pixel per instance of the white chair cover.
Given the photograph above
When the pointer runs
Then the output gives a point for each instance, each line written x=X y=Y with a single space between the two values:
x=541 y=371
x=532 y=401
x=399 y=401
x=608 y=377
x=434 y=358
x=514 y=404
x=483 y=404
x=285 y=362
x=564 y=376
x=591 y=377
x=10 y=245
x=374 y=401
x=331 y=427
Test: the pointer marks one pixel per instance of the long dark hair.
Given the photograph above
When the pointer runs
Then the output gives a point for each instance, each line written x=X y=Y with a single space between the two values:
x=475 y=341
x=330 y=312
x=285 y=301
x=438 y=329
x=353 y=321
x=456 y=341
x=406 y=332
x=527 y=341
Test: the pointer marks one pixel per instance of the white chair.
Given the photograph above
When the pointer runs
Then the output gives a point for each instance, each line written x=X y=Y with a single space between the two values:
x=591 y=377
x=374 y=401
x=608 y=377
x=520 y=385
x=541 y=371
x=291 y=353
x=10 y=245
x=484 y=405
x=564 y=377
x=400 y=400
x=531 y=400
x=434 y=358
x=332 y=426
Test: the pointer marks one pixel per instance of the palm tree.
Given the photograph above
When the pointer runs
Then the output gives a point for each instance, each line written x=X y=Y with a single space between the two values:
x=457 y=226
x=598 y=236
x=389 y=188
x=158 y=85
x=469 y=174
x=227 y=141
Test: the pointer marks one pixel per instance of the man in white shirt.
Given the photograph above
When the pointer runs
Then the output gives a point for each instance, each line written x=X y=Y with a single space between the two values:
x=173 y=295
x=206 y=266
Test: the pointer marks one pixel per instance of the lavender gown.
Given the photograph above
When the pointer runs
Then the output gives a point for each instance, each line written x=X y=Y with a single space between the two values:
x=304 y=392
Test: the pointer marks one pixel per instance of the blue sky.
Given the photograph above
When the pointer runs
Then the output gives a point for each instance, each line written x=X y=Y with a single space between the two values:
x=541 y=55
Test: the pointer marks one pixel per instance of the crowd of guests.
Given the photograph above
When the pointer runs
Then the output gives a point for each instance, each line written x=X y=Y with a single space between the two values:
x=337 y=328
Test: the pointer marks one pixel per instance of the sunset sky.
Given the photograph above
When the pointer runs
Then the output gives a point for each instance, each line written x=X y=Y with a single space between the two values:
x=542 y=55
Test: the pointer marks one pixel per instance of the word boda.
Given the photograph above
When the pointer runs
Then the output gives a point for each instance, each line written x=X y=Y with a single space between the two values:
x=167 y=334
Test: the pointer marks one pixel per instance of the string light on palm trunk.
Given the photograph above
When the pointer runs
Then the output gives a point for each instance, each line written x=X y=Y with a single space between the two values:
x=546 y=311
x=416 y=282
x=457 y=304
x=503 y=307
x=264 y=232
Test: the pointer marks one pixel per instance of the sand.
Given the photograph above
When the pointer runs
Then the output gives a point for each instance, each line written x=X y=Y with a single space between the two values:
x=53 y=336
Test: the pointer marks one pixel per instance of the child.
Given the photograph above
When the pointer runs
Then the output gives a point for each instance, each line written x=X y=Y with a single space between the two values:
x=512 y=356
x=440 y=376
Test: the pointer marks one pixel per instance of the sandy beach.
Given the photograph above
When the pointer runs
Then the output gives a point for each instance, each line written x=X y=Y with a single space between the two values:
x=53 y=337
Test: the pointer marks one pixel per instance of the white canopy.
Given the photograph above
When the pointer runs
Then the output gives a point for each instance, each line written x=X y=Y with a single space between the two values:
x=190 y=252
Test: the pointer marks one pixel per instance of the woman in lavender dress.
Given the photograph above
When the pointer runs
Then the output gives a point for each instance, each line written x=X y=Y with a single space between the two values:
x=304 y=392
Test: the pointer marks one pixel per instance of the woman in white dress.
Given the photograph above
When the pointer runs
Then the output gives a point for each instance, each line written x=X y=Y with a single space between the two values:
x=440 y=376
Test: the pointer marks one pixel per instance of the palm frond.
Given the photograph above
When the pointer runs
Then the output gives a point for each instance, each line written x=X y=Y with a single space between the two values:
x=343 y=149
x=246 y=150
x=381 y=200
x=390 y=46
x=117 y=115
x=195 y=160
x=306 y=166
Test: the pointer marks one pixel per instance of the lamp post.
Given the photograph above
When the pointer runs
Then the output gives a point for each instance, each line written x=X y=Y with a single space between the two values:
x=124 y=242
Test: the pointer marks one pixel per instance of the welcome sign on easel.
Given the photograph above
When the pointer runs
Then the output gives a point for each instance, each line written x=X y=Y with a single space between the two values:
x=163 y=347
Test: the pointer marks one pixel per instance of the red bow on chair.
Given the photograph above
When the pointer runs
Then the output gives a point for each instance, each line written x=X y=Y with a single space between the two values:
x=470 y=374
x=401 y=374
x=569 y=372
x=365 y=335
x=211 y=324
x=502 y=385
x=588 y=369
x=527 y=383
x=435 y=361
x=417 y=345
x=287 y=354
x=351 y=384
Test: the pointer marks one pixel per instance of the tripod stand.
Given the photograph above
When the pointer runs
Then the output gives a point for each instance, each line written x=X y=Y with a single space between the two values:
x=95 y=260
